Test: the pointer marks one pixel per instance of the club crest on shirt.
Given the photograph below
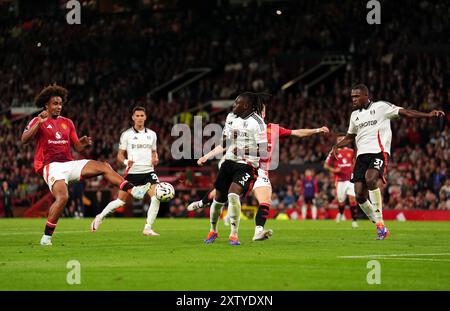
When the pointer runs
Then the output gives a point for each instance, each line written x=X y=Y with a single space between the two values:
x=64 y=126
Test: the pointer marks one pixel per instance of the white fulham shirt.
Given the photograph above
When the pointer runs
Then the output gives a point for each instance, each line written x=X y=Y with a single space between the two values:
x=139 y=146
x=372 y=126
x=245 y=133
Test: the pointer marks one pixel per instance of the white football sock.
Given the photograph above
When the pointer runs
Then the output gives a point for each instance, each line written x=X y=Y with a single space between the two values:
x=234 y=210
x=377 y=202
x=152 y=212
x=367 y=208
x=111 y=207
x=259 y=229
x=214 y=214
x=304 y=211
x=314 y=212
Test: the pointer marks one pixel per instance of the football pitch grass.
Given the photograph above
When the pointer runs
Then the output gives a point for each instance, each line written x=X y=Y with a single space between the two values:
x=301 y=255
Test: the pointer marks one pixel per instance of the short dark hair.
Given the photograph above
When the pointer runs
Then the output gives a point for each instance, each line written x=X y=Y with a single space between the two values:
x=48 y=92
x=138 y=108
x=361 y=87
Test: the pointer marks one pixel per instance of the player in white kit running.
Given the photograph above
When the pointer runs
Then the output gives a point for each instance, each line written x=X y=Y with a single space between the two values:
x=370 y=128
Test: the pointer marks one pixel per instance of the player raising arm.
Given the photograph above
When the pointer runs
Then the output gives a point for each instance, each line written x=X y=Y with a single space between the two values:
x=262 y=189
x=370 y=128
x=54 y=135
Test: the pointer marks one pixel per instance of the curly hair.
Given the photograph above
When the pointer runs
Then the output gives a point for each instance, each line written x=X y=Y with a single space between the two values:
x=48 y=92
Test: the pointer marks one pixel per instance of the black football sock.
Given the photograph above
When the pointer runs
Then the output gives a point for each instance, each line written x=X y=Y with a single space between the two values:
x=126 y=185
x=49 y=228
x=262 y=214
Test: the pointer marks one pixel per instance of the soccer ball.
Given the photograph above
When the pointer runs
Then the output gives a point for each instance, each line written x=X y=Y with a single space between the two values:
x=165 y=192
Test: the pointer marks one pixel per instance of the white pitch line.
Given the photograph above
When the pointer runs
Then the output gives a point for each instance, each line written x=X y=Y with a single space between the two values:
x=392 y=255
x=415 y=259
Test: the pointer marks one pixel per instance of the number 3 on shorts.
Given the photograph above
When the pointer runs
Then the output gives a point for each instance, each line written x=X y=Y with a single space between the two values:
x=155 y=177
x=378 y=163
x=244 y=179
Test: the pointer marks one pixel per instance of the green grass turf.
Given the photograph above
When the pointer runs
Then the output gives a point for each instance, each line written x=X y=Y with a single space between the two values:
x=301 y=255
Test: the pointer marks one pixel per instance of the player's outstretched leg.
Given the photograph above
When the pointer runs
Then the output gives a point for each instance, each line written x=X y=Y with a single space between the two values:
x=96 y=168
x=204 y=202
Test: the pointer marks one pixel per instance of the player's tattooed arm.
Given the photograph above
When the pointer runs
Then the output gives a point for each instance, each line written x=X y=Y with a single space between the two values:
x=348 y=139
x=409 y=113
x=29 y=133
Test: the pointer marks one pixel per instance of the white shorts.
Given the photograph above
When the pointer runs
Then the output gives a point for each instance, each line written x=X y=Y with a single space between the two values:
x=262 y=180
x=343 y=189
x=67 y=171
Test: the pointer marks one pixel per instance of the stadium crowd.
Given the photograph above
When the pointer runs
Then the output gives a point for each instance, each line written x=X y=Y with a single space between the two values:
x=109 y=67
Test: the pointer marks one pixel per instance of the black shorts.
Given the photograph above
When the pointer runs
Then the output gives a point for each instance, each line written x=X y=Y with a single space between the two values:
x=233 y=172
x=309 y=200
x=377 y=161
x=142 y=179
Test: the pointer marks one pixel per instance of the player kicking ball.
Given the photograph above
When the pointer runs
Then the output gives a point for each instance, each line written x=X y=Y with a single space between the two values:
x=54 y=136
x=370 y=128
x=137 y=151
x=262 y=189
x=245 y=140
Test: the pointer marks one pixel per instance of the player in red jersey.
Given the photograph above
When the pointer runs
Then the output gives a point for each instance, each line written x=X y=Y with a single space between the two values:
x=342 y=168
x=262 y=189
x=54 y=135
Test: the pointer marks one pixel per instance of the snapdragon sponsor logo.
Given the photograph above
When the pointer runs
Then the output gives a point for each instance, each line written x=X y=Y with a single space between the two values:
x=58 y=142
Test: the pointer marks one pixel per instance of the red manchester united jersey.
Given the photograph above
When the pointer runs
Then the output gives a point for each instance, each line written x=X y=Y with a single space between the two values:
x=274 y=132
x=53 y=140
x=344 y=161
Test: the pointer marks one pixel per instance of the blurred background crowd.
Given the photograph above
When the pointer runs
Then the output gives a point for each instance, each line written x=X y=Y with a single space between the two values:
x=112 y=62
